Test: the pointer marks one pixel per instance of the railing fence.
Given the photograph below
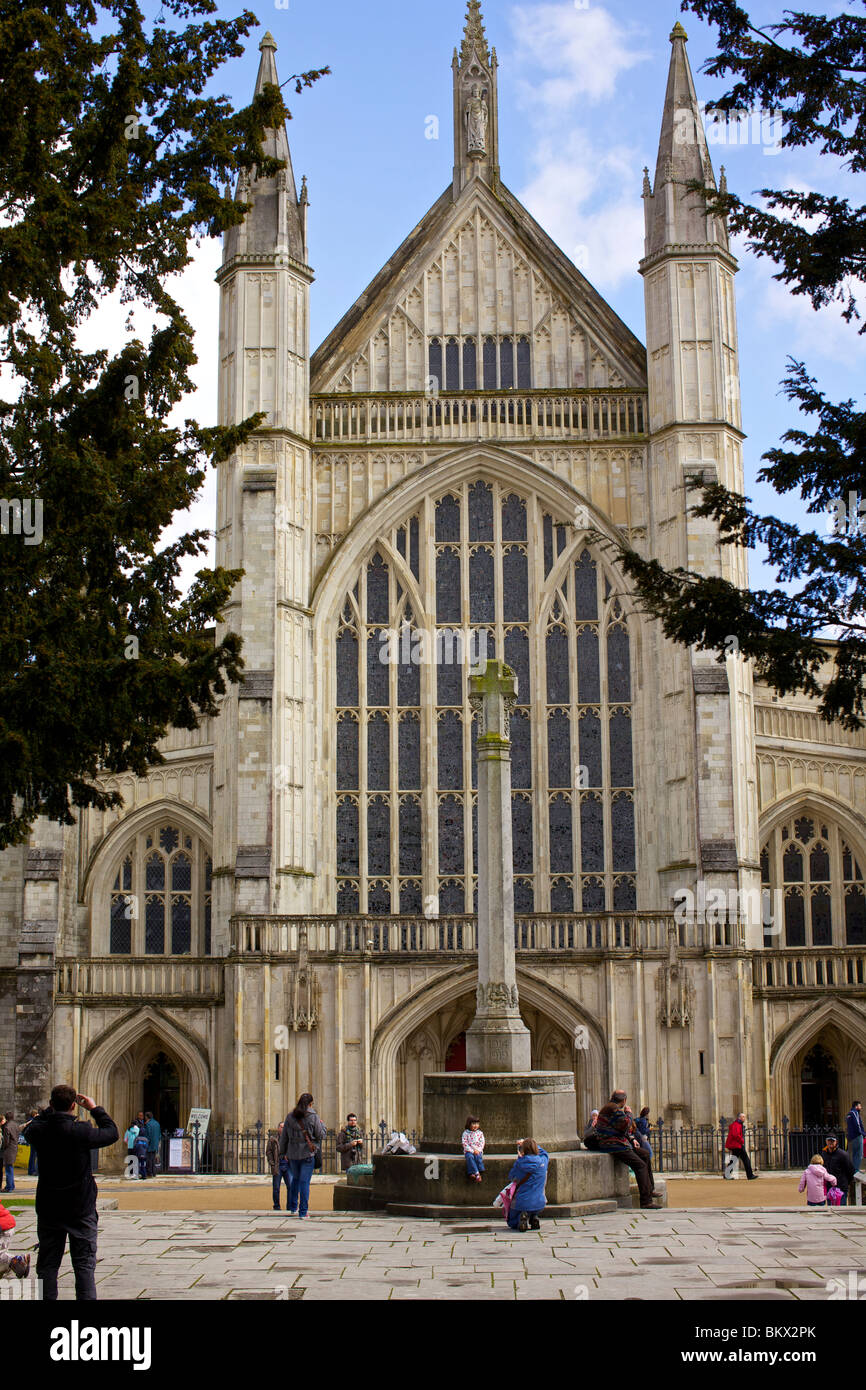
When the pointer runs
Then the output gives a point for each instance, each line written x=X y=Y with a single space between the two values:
x=236 y=1152
x=695 y=1149
x=701 y=1148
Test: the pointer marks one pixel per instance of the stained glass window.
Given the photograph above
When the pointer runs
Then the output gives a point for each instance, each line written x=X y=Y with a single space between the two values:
x=161 y=896
x=571 y=731
x=816 y=886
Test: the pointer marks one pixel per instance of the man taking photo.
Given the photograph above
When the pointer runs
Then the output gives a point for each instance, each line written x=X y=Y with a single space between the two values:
x=65 y=1191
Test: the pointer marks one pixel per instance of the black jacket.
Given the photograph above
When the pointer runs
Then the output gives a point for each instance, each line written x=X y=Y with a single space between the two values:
x=66 y=1191
x=840 y=1165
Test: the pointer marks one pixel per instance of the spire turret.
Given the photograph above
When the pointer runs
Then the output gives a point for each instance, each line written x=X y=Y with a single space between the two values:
x=675 y=214
x=476 y=110
x=275 y=223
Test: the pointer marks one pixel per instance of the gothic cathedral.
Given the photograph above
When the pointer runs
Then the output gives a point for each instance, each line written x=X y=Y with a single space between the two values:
x=287 y=902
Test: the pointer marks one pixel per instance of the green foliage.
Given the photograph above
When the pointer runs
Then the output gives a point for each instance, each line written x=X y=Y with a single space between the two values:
x=112 y=156
x=812 y=70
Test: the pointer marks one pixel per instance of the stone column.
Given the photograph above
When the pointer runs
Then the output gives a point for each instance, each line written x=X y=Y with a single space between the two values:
x=498 y=1040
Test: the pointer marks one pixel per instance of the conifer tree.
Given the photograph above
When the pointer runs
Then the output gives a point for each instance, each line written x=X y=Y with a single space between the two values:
x=811 y=68
x=113 y=155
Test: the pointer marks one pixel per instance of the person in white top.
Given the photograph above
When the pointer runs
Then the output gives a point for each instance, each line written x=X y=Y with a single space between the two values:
x=473 y=1148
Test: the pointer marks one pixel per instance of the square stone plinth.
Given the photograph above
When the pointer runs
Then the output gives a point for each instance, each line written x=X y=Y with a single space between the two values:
x=510 y=1106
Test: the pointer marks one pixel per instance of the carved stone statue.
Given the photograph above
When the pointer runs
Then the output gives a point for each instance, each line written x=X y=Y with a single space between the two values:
x=477 y=117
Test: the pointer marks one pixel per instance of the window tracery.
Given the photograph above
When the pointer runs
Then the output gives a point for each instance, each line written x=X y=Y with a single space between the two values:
x=406 y=769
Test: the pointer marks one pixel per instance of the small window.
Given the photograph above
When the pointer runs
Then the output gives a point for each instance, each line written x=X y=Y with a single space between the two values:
x=470 y=367
x=452 y=365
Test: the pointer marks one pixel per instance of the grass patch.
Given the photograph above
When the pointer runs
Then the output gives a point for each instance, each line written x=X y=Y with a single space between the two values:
x=19 y=1203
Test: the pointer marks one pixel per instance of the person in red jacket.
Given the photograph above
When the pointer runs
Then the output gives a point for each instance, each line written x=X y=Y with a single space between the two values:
x=10 y=1264
x=736 y=1144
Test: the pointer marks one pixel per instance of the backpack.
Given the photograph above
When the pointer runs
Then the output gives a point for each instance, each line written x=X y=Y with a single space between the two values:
x=139 y=1148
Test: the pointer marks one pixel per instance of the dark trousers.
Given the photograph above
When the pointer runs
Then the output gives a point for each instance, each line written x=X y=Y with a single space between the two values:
x=32 y=1165
x=513 y=1217
x=641 y=1169
x=82 y=1250
x=278 y=1179
x=744 y=1159
x=9 y=1170
x=151 y=1162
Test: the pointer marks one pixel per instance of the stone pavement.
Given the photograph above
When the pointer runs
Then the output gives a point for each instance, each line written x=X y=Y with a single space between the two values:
x=674 y=1255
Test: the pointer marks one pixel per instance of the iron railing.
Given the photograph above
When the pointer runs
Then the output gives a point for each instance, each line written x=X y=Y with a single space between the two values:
x=694 y=1149
x=244 y=1151
x=701 y=1148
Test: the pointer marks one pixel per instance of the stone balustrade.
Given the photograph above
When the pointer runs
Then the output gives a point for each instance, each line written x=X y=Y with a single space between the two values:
x=548 y=933
x=133 y=977
x=808 y=968
x=419 y=419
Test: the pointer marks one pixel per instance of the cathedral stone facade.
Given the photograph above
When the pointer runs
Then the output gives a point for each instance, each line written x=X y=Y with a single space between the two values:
x=287 y=901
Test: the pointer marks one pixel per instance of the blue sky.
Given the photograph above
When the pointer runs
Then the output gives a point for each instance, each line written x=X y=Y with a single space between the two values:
x=580 y=93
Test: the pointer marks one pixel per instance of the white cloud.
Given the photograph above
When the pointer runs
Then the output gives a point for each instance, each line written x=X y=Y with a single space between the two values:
x=604 y=239
x=585 y=191
x=573 y=53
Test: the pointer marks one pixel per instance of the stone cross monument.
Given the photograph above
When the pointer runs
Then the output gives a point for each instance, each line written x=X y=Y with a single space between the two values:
x=498 y=1040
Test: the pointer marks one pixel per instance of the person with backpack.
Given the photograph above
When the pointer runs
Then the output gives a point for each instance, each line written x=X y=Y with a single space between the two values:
x=302 y=1135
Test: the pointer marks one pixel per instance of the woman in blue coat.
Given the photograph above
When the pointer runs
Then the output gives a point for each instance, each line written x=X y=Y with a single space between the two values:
x=530 y=1173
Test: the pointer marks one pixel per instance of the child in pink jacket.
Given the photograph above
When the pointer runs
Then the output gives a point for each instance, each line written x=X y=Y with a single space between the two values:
x=815 y=1181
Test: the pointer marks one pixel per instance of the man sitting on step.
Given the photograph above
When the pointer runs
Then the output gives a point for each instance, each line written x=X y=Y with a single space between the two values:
x=612 y=1129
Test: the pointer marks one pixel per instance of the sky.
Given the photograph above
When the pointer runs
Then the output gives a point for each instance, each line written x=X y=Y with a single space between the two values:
x=581 y=89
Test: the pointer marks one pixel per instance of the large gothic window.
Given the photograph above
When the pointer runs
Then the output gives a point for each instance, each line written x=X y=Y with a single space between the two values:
x=810 y=864
x=452 y=586
x=161 y=896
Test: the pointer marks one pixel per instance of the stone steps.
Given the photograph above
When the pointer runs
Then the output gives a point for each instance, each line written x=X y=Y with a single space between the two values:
x=551 y=1212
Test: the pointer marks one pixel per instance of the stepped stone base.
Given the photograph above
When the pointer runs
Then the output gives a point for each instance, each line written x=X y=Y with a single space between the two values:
x=436 y=1185
x=551 y=1212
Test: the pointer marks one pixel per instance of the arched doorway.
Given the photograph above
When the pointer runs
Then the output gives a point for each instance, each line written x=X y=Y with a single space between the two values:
x=819 y=1080
x=161 y=1091
x=148 y=1075
x=439 y=1044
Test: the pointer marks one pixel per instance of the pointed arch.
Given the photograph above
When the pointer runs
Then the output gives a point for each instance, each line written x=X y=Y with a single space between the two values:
x=104 y=864
x=478 y=571
x=416 y=1008
x=836 y=1017
x=820 y=803
x=103 y=1052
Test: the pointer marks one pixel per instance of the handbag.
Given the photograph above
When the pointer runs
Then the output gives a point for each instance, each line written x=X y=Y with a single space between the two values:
x=315 y=1149
x=834 y=1196
x=506 y=1197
